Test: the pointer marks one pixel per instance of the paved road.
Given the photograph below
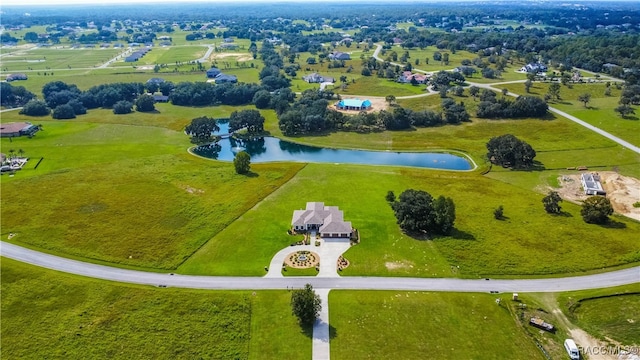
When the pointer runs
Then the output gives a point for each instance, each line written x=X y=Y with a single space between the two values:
x=614 y=278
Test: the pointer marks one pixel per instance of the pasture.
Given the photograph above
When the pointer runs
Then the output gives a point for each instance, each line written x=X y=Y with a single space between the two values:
x=413 y=325
x=86 y=318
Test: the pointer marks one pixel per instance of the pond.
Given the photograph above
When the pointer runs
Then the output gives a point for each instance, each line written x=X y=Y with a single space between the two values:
x=269 y=149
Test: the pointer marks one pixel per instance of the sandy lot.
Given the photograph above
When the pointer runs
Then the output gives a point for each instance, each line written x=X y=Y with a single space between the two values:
x=239 y=56
x=622 y=191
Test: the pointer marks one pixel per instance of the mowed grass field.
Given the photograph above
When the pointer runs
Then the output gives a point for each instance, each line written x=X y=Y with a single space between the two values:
x=51 y=59
x=606 y=313
x=598 y=112
x=128 y=194
x=419 y=325
x=479 y=246
x=47 y=314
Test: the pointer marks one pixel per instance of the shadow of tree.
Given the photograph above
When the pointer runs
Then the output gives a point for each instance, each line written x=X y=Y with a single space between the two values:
x=333 y=332
x=252 y=174
x=563 y=214
x=613 y=224
x=307 y=330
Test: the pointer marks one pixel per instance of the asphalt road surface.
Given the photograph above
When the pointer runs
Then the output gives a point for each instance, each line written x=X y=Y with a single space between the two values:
x=608 y=279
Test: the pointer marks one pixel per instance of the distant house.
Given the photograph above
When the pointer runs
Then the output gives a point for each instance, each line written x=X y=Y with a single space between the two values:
x=228 y=46
x=137 y=55
x=339 y=56
x=228 y=40
x=18 y=129
x=406 y=77
x=155 y=80
x=353 y=104
x=160 y=98
x=317 y=78
x=213 y=72
x=327 y=220
x=14 y=77
x=224 y=78
x=591 y=184
x=534 y=68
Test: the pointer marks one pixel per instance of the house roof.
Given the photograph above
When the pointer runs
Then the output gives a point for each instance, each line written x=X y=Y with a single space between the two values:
x=329 y=217
x=355 y=103
x=225 y=77
x=14 y=127
x=155 y=80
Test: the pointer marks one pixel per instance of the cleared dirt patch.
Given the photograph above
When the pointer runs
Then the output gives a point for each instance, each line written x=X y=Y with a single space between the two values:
x=396 y=265
x=622 y=191
x=239 y=56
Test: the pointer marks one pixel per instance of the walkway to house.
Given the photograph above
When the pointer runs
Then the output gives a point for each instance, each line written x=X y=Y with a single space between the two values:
x=320 y=342
x=329 y=252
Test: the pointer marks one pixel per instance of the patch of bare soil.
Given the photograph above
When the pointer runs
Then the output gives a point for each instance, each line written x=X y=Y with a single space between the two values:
x=239 y=56
x=377 y=104
x=584 y=341
x=398 y=265
x=622 y=191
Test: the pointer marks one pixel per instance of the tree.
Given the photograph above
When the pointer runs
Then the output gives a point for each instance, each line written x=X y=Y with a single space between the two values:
x=498 y=213
x=201 y=129
x=262 y=99
x=554 y=91
x=552 y=202
x=391 y=197
x=242 y=162
x=252 y=120
x=508 y=150
x=474 y=91
x=122 y=107
x=584 y=98
x=64 y=111
x=145 y=103
x=596 y=210
x=306 y=305
x=417 y=212
x=527 y=85
x=35 y=108
x=391 y=99
x=624 y=110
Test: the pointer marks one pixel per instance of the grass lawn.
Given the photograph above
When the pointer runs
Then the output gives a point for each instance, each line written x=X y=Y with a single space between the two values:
x=427 y=53
x=47 y=314
x=418 y=325
x=374 y=86
x=606 y=313
x=479 y=246
x=598 y=112
x=85 y=79
x=52 y=59
x=299 y=272
x=125 y=194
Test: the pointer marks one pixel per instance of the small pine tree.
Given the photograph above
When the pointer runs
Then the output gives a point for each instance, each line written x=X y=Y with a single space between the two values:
x=306 y=305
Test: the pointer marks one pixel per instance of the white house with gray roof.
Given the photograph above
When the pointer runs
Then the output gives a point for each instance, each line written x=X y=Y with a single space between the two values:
x=327 y=220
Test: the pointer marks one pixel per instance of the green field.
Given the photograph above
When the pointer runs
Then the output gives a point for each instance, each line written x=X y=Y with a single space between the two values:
x=609 y=314
x=598 y=112
x=137 y=164
x=142 y=200
x=52 y=59
x=479 y=246
x=46 y=314
x=418 y=325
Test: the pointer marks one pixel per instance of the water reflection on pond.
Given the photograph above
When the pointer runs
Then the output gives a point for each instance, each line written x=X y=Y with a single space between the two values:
x=270 y=149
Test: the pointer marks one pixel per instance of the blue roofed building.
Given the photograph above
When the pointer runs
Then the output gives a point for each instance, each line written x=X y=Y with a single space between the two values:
x=353 y=104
